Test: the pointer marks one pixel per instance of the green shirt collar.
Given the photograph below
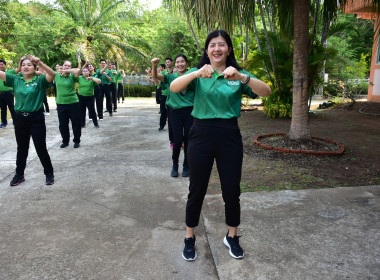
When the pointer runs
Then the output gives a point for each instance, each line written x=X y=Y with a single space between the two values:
x=216 y=75
x=26 y=82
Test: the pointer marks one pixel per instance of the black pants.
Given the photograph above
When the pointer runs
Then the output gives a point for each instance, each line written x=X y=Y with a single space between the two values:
x=99 y=101
x=170 y=130
x=163 y=111
x=26 y=126
x=87 y=102
x=6 y=99
x=67 y=112
x=107 y=93
x=120 y=91
x=46 y=104
x=158 y=95
x=114 y=95
x=181 y=122
x=220 y=140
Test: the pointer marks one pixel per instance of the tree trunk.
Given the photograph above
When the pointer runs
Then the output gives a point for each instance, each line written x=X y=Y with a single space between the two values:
x=269 y=19
x=316 y=12
x=191 y=27
x=299 y=128
x=246 y=40
x=241 y=33
x=325 y=32
x=260 y=49
x=269 y=45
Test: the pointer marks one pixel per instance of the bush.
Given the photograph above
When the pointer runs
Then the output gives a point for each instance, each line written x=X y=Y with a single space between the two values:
x=278 y=104
x=138 y=90
x=50 y=91
x=337 y=88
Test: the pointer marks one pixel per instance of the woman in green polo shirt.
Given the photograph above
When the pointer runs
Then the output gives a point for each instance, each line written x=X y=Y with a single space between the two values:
x=86 y=86
x=181 y=106
x=218 y=84
x=29 y=119
x=68 y=104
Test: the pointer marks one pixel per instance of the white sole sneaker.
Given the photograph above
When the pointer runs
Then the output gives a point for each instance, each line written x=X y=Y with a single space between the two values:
x=190 y=260
x=228 y=245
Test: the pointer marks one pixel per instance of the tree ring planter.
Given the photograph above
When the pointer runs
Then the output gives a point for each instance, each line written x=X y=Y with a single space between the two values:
x=257 y=142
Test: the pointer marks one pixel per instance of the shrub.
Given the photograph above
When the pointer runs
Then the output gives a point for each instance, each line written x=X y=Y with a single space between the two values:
x=278 y=104
x=50 y=91
x=138 y=90
x=337 y=88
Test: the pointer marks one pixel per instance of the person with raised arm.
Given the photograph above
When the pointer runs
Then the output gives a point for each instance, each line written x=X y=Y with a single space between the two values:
x=218 y=84
x=181 y=107
x=68 y=103
x=86 y=86
x=6 y=95
x=105 y=75
x=29 y=119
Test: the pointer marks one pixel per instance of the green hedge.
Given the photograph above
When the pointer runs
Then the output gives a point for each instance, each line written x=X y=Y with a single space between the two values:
x=134 y=91
x=138 y=91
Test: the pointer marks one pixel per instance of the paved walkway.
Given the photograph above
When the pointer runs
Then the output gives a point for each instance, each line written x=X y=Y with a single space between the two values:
x=115 y=213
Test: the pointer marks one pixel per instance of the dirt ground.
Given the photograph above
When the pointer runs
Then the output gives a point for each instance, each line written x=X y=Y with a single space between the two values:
x=271 y=170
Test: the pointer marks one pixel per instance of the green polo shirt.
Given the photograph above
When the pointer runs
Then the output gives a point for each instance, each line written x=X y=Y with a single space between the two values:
x=120 y=78
x=2 y=86
x=217 y=97
x=164 y=90
x=178 y=100
x=29 y=95
x=103 y=78
x=66 y=93
x=116 y=75
x=86 y=87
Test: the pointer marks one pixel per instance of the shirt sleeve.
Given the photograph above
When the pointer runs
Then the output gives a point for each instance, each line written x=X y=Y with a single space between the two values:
x=192 y=85
x=246 y=89
x=9 y=79
x=43 y=81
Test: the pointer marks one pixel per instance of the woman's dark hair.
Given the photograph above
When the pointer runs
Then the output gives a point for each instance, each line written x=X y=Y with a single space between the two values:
x=181 y=55
x=3 y=61
x=27 y=58
x=231 y=60
x=71 y=64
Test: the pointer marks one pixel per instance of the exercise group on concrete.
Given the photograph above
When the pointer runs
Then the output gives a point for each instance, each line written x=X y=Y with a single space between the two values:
x=202 y=106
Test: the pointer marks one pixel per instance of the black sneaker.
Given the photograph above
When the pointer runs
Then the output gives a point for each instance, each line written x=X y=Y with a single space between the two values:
x=76 y=145
x=174 y=172
x=185 y=171
x=115 y=110
x=189 y=253
x=161 y=128
x=17 y=179
x=49 y=179
x=233 y=243
x=96 y=126
x=64 y=145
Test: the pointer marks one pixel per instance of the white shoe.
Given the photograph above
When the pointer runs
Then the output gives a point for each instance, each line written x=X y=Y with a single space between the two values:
x=46 y=113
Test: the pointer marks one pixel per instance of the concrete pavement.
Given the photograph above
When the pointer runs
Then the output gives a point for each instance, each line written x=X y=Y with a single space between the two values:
x=115 y=213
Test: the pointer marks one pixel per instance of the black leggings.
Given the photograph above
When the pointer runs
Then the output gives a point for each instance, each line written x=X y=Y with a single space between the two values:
x=67 y=112
x=87 y=102
x=211 y=140
x=26 y=126
x=120 y=91
x=181 y=121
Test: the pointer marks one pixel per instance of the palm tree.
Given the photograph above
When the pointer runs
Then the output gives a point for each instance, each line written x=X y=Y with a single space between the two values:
x=97 y=25
x=293 y=19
